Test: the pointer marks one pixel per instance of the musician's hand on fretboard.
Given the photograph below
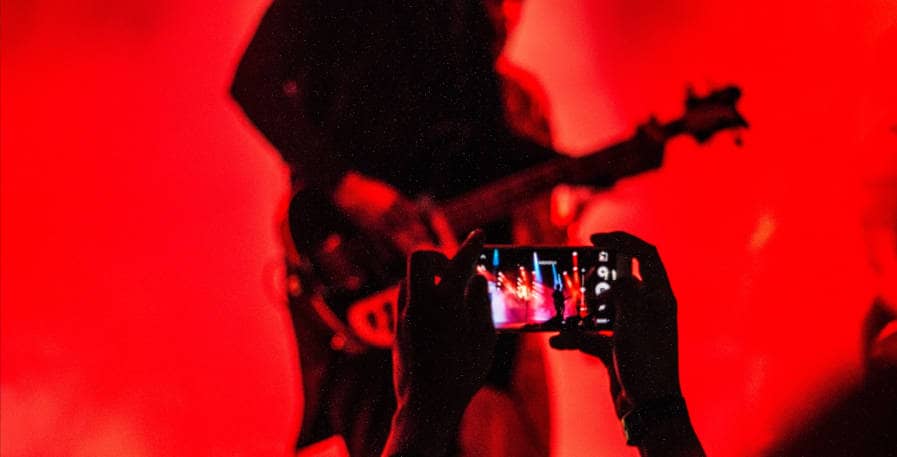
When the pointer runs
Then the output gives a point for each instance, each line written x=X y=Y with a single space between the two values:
x=381 y=210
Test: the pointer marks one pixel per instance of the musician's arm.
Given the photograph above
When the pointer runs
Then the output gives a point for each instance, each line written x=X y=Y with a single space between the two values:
x=268 y=86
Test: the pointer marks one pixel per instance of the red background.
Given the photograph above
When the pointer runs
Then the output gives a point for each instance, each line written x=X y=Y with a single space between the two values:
x=141 y=313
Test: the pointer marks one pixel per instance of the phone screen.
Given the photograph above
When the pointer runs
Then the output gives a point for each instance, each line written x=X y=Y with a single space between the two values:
x=534 y=288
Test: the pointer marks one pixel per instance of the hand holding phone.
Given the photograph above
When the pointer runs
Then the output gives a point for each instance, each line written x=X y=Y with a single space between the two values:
x=641 y=356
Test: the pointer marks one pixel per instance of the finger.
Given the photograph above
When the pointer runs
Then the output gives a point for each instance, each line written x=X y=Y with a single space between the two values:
x=400 y=304
x=598 y=345
x=461 y=267
x=564 y=341
x=444 y=234
x=476 y=299
x=624 y=244
x=624 y=265
x=397 y=216
x=595 y=344
x=423 y=268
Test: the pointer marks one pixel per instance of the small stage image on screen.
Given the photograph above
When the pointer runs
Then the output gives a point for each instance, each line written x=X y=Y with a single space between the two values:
x=548 y=288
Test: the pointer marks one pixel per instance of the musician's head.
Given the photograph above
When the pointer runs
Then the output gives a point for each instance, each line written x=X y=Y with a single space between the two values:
x=505 y=15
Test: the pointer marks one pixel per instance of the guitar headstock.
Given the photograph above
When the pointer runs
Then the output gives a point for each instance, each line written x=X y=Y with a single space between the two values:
x=705 y=116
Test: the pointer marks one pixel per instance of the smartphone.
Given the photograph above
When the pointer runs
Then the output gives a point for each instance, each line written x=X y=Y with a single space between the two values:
x=548 y=288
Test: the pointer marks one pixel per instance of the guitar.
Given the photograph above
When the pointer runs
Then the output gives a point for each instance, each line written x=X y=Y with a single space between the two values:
x=350 y=276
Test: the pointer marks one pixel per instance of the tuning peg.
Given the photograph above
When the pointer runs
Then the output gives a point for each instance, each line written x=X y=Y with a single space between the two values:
x=740 y=121
x=691 y=97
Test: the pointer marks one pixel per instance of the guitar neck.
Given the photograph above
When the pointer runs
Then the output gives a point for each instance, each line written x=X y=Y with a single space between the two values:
x=602 y=168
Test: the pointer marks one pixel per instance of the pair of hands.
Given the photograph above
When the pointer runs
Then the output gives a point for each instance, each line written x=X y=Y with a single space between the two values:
x=445 y=340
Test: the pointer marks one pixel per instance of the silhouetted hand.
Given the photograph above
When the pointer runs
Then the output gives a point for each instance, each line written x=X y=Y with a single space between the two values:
x=642 y=355
x=443 y=350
